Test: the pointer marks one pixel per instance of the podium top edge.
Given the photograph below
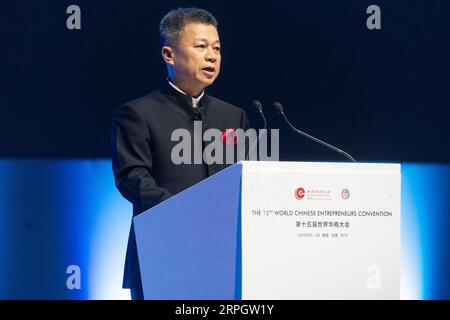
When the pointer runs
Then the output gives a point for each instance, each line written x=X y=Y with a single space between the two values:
x=298 y=165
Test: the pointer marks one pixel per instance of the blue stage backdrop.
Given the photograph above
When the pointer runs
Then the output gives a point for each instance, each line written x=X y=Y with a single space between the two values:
x=55 y=214
x=60 y=213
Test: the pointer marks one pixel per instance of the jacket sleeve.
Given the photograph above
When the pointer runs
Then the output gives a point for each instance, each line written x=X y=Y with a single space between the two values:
x=248 y=145
x=132 y=160
x=245 y=124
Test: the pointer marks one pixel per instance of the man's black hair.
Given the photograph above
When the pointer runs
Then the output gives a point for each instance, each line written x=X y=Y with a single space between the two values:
x=172 y=25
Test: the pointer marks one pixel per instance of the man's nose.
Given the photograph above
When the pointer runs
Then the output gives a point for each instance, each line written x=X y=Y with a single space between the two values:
x=211 y=56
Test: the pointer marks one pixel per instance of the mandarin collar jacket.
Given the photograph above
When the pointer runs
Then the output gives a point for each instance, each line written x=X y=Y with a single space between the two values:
x=141 y=149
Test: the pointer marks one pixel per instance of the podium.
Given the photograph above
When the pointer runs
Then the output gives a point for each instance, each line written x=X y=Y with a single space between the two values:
x=276 y=230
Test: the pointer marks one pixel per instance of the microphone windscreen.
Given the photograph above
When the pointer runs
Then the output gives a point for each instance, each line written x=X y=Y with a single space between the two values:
x=257 y=104
x=278 y=106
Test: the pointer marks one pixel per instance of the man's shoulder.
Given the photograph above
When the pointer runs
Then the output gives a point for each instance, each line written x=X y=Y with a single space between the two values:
x=140 y=104
x=223 y=105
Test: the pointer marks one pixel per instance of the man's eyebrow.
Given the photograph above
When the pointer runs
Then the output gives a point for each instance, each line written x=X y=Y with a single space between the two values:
x=206 y=40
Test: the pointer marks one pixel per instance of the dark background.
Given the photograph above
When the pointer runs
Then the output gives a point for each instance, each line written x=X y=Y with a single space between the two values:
x=381 y=95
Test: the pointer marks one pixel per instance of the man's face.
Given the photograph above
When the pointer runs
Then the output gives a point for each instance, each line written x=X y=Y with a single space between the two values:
x=196 y=58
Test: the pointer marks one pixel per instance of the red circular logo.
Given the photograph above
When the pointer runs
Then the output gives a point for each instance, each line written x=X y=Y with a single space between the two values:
x=299 y=193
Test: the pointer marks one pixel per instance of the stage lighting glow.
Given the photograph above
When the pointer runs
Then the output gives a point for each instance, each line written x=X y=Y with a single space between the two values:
x=57 y=213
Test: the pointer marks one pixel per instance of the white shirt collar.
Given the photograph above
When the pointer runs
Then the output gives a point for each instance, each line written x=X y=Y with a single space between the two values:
x=195 y=101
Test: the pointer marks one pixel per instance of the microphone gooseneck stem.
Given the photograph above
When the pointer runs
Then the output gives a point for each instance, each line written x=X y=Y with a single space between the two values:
x=349 y=157
x=253 y=146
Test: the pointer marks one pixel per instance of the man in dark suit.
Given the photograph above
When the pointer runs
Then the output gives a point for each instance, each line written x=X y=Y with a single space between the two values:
x=142 y=145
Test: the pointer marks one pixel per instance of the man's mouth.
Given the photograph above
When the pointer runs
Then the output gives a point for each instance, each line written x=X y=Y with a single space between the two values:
x=209 y=70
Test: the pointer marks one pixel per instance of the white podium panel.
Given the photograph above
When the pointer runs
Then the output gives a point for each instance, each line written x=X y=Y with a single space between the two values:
x=320 y=230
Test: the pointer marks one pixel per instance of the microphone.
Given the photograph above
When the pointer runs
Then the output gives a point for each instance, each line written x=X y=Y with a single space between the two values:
x=197 y=115
x=259 y=107
x=279 y=107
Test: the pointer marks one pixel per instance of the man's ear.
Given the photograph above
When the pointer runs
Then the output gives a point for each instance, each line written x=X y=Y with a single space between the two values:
x=167 y=54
